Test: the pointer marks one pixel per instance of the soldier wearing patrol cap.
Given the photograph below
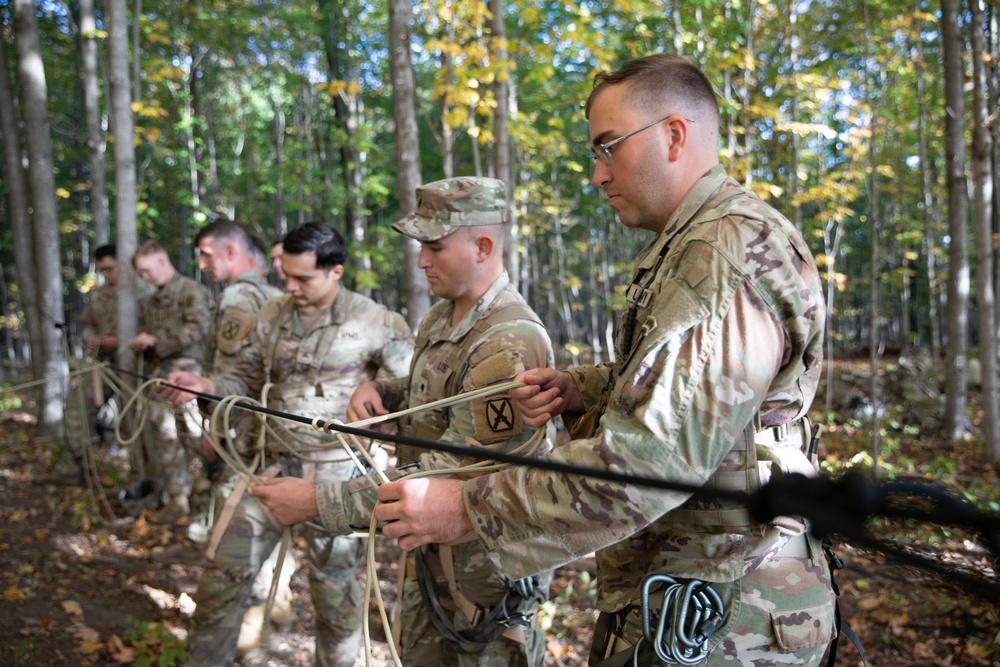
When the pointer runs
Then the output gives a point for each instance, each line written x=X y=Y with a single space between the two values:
x=717 y=359
x=456 y=607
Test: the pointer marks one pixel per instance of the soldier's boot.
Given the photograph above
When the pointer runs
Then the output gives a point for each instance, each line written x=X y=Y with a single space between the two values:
x=251 y=630
x=176 y=509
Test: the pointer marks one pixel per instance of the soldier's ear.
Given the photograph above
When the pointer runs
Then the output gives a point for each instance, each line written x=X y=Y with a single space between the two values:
x=484 y=245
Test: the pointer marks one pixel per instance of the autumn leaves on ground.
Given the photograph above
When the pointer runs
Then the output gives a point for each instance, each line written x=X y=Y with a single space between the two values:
x=78 y=585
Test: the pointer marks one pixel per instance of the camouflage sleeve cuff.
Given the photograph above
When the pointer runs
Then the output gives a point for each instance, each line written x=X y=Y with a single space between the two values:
x=345 y=507
x=591 y=382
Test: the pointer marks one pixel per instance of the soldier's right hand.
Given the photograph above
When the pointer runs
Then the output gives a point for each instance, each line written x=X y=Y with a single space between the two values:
x=548 y=392
x=365 y=402
x=187 y=380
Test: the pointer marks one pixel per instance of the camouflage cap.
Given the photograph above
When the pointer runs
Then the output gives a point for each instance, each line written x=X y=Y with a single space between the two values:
x=444 y=206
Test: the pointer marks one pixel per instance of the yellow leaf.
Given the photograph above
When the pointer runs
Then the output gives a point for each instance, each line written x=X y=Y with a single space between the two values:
x=91 y=648
x=15 y=594
x=62 y=193
x=72 y=607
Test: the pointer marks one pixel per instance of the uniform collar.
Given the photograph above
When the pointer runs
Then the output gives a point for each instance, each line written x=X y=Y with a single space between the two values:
x=480 y=309
x=690 y=206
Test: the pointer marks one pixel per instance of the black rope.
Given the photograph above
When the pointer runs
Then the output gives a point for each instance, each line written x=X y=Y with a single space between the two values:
x=838 y=505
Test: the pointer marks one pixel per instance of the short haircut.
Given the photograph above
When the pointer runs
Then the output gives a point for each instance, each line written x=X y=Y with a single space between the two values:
x=149 y=248
x=657 y=80
x=223 y=229
x=258 y=248
x=320 y=238
x=278 y=240
x=108 y=250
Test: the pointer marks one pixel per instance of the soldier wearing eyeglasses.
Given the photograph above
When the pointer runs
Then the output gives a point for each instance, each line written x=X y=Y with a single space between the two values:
x=717 y=359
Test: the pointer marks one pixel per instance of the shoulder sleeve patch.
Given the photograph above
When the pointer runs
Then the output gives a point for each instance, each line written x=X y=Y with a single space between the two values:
x=233 y=329
x=495 y=418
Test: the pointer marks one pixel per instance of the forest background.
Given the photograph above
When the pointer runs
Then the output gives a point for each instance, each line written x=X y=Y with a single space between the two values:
x=870 y=125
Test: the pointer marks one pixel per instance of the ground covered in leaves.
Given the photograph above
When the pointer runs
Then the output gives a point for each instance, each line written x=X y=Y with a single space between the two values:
x=78 y=585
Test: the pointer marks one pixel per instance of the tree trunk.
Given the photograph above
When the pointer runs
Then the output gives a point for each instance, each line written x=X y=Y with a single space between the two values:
x=95 y=134
x=874 y=342
x=20 y=220
x=404 y=112
x=125 y=177
x=958 y=205
x=502 y=168
x=793 y=113
x=45 y=221
x=983 y=179
x=929 y=212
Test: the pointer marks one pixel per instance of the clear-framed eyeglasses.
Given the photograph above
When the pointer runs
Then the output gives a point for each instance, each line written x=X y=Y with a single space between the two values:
x=602 y=152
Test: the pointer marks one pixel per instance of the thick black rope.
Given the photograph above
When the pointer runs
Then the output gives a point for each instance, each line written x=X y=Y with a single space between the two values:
x=832 y=505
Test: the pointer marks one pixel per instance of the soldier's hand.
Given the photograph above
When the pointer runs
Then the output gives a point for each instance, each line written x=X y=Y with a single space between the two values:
x=548 y=392
x=142 y=342
x=187 y=380
x=291 y=500
x=422 y=511
x=365 y=402
x=92 y=343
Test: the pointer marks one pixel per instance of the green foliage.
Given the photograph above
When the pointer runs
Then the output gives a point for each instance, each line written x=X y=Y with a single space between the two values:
x=154 y=645
x=24 y=648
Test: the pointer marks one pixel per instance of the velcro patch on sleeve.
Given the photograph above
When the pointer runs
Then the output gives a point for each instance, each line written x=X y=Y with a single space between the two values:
x=494 y=418
x=234 y=327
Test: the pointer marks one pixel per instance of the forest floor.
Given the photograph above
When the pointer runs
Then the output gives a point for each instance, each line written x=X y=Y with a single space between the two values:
x=79 y=587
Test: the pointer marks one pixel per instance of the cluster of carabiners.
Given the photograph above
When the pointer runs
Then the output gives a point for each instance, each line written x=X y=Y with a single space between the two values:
x=680 y=626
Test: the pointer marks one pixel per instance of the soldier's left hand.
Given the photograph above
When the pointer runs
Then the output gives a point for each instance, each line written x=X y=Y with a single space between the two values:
x=290 y=499
x=422 y=511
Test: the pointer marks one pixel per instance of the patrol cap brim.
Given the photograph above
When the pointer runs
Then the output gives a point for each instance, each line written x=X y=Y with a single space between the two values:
x=423 y=229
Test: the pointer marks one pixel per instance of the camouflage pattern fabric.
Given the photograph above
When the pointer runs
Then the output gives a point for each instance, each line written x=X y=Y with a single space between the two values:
x=727 y=328
x=445 y=206
x=99 y=318
x=177 y=314
x=479 y=359
x=314 y=374
x=235 y=315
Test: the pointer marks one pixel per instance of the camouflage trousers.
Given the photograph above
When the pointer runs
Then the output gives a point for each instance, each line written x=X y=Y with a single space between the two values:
x=226 y=586
x=421 y=645
x=80 y=415
x=178 y=434
x=780 y=613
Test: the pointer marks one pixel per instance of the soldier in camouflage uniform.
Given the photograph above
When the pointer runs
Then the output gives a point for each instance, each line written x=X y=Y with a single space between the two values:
x=99 y=322
x=315 y=345
x=717 y=361
x=172 y=328
x=481 y=333
x=227 y=254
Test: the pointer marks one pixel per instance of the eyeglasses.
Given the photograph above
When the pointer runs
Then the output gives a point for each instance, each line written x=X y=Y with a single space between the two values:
x=107 y=269
x=602 y=152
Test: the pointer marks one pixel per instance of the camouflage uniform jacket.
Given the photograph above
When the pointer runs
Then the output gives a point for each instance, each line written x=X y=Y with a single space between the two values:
x=99 y=318
x=728 y=328
x=235 y=313
x=494 y=356
x=315 y=372
x=178 y=315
